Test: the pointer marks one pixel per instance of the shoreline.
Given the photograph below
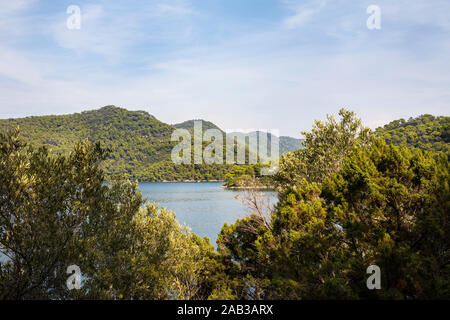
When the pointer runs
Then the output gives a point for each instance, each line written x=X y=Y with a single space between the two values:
x=271 y=188
x=267 y=188
x=183 y=181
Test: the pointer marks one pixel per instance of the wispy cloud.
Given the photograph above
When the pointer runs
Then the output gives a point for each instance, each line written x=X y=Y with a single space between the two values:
x=177 y=61
x=101 y=32
x=303 y=12
x=16 y=67
x=12 y=20
x=11 y=7
x=178 y=8
x=110 y=30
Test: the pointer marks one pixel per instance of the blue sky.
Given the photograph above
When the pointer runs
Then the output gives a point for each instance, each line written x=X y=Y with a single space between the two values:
x=248 y=64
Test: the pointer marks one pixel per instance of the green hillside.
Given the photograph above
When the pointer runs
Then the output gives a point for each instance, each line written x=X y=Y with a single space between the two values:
x=425 y=132
x=189 y=125
x=131 y=135
x=136 y=139
x=139 y=144
x=289 y=144
x=286 y=144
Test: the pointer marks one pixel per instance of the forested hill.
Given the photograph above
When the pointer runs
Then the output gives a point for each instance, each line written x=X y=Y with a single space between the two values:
x=140 y=146
x=189 y=125
x=289 y=144
x=425 y=132
x=286 y=144
x=132 y=136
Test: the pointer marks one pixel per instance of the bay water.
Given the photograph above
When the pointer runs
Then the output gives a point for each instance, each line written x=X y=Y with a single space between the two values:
x=203 y=206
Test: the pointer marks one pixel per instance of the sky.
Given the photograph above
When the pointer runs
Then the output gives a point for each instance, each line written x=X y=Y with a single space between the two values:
x=242 y=64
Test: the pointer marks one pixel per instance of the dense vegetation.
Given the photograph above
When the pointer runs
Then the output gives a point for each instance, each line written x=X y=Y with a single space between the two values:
x=136 y=140
x=139 y=145
x=369 y=204
x=289 y=144
x=189 y=125
x=58 y=210
x=347 y=201
x=425 y=132
x=387 y=207
x=247 y=176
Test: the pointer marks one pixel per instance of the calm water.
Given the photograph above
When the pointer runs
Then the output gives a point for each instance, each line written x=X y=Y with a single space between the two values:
x=204 y=207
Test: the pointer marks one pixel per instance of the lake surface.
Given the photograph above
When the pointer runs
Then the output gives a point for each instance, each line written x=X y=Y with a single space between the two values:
x=204 y=207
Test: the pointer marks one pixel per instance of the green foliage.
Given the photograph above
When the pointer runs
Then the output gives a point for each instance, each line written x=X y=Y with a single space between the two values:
x=247 y=176
x=135 y=139
x=289 y=144
x=347 y=201
x=58 y=210
x=139 y=145
x=326 y=147
x=237 y=244
x=189 y=125
x=43 y=201
x=394 y=205
x=425 y=132
x=387 y=206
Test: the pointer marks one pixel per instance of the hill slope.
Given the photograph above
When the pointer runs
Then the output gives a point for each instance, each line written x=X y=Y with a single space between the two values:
x=135 y=138
x=425 y=132
x=139 y=144
x=189 y=125
x=289 y=144
x=286 y=144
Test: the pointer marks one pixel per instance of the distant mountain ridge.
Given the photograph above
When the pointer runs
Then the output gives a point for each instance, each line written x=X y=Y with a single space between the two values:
x=140 y=144
x=189 y=125
x=286 y=144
